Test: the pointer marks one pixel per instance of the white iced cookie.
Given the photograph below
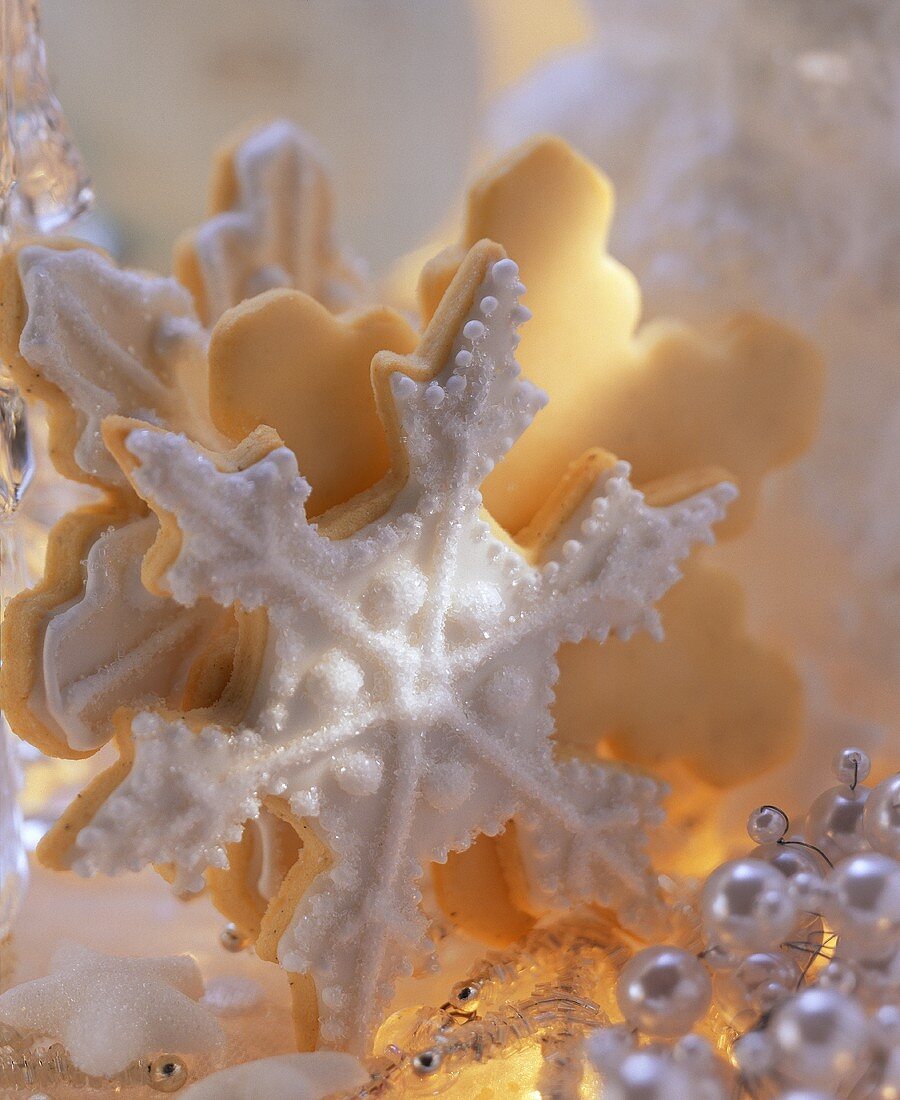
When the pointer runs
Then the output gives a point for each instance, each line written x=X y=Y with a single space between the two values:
x=112 y=341
x=398 y=736
x=109 y=1011
x=272 y=226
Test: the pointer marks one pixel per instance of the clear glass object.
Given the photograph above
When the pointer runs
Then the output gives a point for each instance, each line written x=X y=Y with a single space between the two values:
x=43 y=187
x=43 y=181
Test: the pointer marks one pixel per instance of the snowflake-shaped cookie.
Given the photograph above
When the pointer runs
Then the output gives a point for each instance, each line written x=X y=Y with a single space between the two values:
x=109 y=1010
x=272 y=226
x=91 y=340
x=401 y=704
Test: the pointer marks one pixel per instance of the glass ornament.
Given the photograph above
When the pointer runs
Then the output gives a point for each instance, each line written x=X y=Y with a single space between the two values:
x=43 y=187
x=43 y=181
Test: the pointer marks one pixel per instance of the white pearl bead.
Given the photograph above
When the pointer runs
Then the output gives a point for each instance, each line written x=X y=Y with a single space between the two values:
x=881 y=820
x=838 y=976
x=767 y=824
x=718 y=959
x=809 y=891
x=736 y=993
x=879 y=978
x=649 y=1076
x=835 y=822
x=820 y=1038
x=865 y=905
x=746 y=906
x=851 y=766
x=791 y=859
x=886 y=1026
x=663 y=991
x=607 y=1047
x=753 y=1054
x=804 y=1094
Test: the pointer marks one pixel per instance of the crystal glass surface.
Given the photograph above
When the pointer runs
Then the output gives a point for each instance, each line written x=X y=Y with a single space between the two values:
x=43 y=181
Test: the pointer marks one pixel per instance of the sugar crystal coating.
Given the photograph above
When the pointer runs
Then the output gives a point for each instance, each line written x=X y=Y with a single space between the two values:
x=404 y=702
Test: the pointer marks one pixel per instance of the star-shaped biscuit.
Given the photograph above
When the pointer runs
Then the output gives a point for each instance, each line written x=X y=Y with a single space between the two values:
x=109 y=1011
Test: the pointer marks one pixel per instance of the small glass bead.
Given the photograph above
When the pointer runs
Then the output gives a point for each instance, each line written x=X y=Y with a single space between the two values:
x=810 y=892
x=760 y=982
x=695 y=1051
x=767 y=824
x=718 y=959
x=426 y=1062
x=607 y=1047
x=233 y=938
x=167 y=1073
x=767 y=995
x=851 y=766
x=465 y=995
x=647 y=1075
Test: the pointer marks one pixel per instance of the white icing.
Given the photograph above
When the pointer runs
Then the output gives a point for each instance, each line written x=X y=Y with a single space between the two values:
x=114 y=342
x=403 y=735
x=285 y=1077
x=232 y=995
x=116 y=644
x=280 y=232
x=108 y=1011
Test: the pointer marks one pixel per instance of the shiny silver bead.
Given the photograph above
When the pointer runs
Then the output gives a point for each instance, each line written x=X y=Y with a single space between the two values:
x=233 y=939
x=167 y=1073
x=426 y=1062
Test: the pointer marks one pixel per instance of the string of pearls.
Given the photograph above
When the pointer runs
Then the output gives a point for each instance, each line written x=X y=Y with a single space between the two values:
x=801 y=962
x=782 y=979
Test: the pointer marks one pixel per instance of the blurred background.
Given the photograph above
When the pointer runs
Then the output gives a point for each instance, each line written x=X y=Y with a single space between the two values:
x=396 y=92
